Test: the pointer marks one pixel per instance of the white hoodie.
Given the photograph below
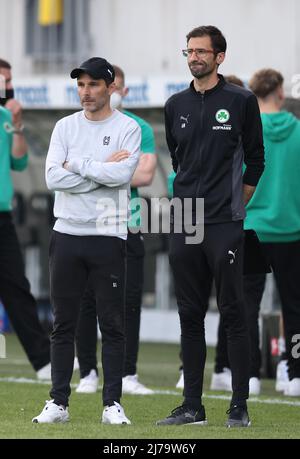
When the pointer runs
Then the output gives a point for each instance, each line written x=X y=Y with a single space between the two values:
x=92 y=196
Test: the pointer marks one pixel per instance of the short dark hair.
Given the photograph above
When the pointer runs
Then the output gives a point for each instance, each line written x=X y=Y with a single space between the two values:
x=97 y=68
x=218 y=40
x=4 y=64
x=233 y=79
x=265 y=81
x=119 y=72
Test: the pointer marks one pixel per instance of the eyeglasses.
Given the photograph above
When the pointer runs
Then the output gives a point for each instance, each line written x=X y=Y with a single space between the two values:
x=200 y=52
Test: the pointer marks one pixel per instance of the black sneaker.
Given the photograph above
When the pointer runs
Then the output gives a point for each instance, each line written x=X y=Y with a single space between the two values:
x=184 y=415
x=238 y=416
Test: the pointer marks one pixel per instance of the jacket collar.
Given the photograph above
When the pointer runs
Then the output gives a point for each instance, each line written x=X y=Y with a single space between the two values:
x=216 y=88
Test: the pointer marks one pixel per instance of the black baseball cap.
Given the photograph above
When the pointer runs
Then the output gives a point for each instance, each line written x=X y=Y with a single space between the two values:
x=97 y=68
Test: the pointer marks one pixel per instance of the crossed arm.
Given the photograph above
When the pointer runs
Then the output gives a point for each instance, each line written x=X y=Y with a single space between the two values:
x=81 y=175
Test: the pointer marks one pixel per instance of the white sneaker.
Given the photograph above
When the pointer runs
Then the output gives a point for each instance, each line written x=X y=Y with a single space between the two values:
x=88 y=384
x=282 y=376
x=254 y=386
x=221 y=381
x=52 y=413
x=114 y=415
x=292 y=389
x=44 y=373
x=131 y=385
x=180 y=384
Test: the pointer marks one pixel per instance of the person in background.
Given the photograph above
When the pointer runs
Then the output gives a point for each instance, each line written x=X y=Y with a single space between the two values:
x=274 y=213
x=86 y=335
x=15 y=292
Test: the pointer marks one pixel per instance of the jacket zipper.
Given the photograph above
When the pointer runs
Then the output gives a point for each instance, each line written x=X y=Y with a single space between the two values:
x=201 y=158
x=202 y=110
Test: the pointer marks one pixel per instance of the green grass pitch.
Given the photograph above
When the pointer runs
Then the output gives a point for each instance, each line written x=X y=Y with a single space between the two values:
x=272 y=415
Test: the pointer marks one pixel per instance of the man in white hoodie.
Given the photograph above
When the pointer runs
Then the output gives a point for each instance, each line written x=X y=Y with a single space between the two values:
x=91 y=159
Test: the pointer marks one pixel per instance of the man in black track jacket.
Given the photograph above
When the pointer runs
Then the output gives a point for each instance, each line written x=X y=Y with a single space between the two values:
x=212 y=128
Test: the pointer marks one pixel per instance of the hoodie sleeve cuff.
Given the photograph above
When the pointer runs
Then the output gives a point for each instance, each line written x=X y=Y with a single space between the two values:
x=252 y=177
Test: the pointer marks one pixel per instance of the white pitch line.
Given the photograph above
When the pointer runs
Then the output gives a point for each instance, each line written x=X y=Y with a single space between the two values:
x=267 y=401
x=12 y=379
x=270 y=401
x=21 y=362
x=208 y=366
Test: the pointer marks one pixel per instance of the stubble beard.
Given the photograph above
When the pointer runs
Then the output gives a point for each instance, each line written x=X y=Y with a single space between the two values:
x=203 y=72
x=94 y=106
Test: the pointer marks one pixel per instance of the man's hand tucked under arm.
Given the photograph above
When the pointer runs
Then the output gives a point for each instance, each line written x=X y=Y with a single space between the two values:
x=118 y=156
x=248 y=192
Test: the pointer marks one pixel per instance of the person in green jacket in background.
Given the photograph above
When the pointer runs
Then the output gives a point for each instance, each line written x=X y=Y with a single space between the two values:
x=274 y=213
x=14 y=287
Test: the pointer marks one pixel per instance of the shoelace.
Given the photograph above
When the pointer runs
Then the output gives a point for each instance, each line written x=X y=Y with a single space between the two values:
x=49 y=403
x=234 y=407
x=179 y=410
